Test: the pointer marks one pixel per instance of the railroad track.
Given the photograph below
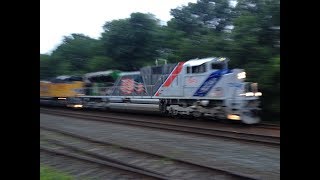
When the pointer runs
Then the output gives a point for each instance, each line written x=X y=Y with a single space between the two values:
x=269 y=126
x=104 y=162
x=135 y=161
x=261 y=125
x=172 y=126
x=96 y=159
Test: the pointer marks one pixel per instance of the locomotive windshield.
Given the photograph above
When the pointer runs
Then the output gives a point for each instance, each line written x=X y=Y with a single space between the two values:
x=217 y=65
x=251 y=87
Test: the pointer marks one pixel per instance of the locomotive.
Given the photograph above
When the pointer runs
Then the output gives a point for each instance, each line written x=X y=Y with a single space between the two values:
x=198 y=87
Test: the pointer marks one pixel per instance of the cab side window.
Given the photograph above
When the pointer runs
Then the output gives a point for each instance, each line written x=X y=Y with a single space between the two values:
x=199 y=69
x=188 y=70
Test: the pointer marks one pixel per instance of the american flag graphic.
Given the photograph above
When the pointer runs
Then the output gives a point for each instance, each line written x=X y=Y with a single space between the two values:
x=127 y=86
x=139 y=88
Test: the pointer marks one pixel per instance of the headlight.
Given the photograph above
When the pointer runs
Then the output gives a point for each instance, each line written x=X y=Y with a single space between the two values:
x=249 y=94
x=233 y=117
x=258 y=94
x=242 y=75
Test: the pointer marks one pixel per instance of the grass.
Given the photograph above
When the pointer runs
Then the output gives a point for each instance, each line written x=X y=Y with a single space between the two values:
x=48 y=173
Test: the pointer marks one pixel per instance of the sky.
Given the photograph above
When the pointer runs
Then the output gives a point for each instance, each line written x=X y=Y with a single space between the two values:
x=59 y=18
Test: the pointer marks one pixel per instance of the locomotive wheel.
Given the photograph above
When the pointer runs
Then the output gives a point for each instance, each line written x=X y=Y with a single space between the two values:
x=175 y=112
x=171 y=112
x=196 y=114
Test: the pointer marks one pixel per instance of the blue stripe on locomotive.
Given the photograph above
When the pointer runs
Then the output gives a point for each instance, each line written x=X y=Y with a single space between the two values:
x=210 y=82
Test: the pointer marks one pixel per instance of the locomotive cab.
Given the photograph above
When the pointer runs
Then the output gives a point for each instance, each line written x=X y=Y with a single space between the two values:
x=196 y=73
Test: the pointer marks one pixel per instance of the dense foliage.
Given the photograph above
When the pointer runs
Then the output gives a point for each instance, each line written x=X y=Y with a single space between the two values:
x=247 y=33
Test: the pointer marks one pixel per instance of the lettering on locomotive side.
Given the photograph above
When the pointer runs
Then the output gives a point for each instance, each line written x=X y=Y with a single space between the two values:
x=192 y=80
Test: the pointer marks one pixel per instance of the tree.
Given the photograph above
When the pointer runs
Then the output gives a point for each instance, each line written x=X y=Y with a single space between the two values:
x=101 y=63
x=46 y=68
x=203 y=16
x=131 y=42
x=255 y=47
x=74 y=53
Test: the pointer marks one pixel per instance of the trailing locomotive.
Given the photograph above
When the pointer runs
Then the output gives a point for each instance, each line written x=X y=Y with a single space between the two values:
x=58 y=91
x=198 y=87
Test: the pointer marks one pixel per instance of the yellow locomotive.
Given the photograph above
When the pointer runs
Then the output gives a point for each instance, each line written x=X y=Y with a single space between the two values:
x=61 y=89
